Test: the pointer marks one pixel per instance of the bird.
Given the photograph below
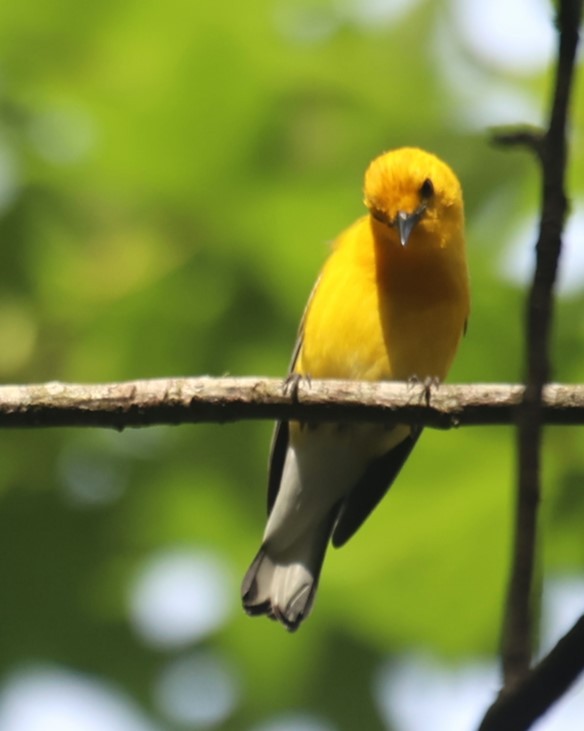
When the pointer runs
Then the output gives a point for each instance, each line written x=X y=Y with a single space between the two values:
x=391 y=303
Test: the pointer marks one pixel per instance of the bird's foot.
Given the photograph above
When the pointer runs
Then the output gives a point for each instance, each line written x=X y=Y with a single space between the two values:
x=292 y=383
x=427 y=383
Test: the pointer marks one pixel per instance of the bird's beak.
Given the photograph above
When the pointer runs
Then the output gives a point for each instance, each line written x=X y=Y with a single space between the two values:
x=406 y=222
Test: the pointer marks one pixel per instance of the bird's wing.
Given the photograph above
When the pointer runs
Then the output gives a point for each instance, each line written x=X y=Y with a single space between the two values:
x=279 y=444
x=278 y=449
x=371 y=487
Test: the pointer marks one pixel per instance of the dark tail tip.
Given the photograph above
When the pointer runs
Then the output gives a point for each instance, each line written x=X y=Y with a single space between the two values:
x=257 y=594
x=249 y=586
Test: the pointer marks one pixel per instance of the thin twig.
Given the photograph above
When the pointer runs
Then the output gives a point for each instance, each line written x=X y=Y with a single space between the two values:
x=542 y=686
x=526 y=136
x=517 y=641
x=206 y=399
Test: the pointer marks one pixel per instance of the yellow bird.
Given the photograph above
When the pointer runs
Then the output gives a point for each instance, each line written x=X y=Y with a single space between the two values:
x=391 y=303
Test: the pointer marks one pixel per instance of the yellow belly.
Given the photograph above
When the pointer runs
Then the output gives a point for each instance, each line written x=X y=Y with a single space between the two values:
x=384 y=314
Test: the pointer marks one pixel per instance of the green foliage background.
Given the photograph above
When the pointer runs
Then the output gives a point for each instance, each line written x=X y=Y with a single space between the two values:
x=170 y=177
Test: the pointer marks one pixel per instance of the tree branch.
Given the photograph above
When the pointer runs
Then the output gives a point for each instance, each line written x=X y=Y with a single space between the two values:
x=526 y=136
x=206 y=399
x=517 y=709
x=517 y=639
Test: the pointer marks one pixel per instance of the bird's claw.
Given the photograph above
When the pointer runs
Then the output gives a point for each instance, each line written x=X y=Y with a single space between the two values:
x=427 y=383
x=292 y=384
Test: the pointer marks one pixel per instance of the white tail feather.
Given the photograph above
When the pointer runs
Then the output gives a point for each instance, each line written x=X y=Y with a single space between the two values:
x=283 y=586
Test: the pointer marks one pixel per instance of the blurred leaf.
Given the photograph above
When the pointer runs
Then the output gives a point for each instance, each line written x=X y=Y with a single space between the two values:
x=171 y=177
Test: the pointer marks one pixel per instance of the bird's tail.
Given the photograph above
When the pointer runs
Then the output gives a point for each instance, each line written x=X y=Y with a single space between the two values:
x=283 y=584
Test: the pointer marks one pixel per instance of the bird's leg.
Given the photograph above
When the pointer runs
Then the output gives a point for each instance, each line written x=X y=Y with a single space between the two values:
x=428 y=383
x=292 y=384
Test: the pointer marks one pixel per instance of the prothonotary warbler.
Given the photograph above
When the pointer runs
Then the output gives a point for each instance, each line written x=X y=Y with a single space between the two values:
x=391 y=303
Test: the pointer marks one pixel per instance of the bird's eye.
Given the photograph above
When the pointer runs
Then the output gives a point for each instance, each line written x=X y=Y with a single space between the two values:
x=427 y=189
x=379 y=215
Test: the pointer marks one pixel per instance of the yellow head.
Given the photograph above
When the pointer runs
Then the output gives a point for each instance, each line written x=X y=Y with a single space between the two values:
x=409 y=189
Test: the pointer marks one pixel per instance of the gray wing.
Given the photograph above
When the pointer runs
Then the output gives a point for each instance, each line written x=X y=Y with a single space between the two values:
x=279 y=444
x=278 y=449
x=370 y=489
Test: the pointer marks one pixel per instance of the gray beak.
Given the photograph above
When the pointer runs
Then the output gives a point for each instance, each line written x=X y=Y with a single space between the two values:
x=406 y=222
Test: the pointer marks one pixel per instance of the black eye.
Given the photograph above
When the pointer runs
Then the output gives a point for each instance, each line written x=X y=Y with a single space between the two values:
x=427 y=189
x=379 y=215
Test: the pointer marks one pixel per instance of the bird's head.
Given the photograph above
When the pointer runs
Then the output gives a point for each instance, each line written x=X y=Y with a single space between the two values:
x=409 y=190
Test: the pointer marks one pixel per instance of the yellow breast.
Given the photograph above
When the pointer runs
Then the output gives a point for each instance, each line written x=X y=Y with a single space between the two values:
x=384 y=311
